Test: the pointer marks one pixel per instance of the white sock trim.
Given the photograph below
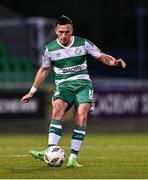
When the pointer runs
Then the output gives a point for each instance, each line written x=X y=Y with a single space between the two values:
x=80 y=132
x=53 y=138
x=56 y=126
x=76 y=144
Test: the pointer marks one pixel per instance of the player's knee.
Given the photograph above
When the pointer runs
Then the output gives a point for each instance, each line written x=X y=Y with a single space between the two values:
x=81 y=119
x=57 y=113
x=58 y=109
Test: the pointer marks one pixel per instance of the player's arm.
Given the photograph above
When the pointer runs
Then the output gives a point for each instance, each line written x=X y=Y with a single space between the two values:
x=111 y=61
x=104 y=58
x=39 y=78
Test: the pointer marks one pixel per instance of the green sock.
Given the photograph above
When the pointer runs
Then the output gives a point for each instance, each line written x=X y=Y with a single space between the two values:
x=55 y=131
x=77 y=139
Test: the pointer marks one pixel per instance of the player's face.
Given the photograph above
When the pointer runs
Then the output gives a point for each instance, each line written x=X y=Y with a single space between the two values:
x=64 y=33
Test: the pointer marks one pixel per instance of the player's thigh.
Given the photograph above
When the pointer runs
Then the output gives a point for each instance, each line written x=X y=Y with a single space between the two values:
x=63 y=94
x=59 y=104
x=59 y=107
x=85 y=95
x=83 y=109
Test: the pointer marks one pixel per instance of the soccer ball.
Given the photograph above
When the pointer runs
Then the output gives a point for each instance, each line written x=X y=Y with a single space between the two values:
x=54 y=156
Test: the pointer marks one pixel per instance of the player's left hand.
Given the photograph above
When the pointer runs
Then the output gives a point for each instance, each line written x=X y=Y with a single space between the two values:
x=120 y=63
x=26 y=98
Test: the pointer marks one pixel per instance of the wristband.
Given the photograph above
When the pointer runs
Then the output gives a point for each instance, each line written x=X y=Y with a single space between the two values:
x=33 y=89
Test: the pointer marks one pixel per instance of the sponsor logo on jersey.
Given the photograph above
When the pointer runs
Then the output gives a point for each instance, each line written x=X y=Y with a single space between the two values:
x=73 y=69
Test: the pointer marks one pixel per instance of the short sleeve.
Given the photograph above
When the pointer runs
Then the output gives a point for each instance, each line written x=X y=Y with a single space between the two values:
x=46 y=60
x=92 y=50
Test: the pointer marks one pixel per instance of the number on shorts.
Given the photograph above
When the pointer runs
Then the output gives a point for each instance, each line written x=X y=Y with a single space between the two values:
x=90 y=93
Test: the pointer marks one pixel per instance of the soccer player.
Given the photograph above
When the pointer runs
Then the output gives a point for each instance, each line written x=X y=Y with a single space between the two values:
x=67 y=55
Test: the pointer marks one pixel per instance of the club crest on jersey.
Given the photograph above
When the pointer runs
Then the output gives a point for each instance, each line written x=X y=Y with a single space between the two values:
x=78 y=51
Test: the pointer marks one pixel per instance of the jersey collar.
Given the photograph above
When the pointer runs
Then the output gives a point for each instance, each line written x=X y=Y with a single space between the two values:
x=66 y=47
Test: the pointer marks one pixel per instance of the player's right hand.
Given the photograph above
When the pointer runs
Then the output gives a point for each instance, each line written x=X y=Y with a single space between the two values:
x=26 y=98
x=120 y=63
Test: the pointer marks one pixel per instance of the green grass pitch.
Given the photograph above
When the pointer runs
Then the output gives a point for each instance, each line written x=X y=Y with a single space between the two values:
x=110 y=156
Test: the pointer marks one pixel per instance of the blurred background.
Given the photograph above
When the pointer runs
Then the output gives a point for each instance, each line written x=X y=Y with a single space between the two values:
x=118 y=27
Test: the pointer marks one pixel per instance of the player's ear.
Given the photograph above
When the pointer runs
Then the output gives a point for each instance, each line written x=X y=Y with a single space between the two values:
x=72 y=30
x=56 y=30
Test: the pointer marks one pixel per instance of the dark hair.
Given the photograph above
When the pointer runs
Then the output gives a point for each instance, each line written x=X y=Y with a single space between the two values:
x=62 y=20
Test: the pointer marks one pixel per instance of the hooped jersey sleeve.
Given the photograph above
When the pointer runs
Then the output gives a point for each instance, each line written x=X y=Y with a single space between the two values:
x=46 y=60
x=92 y=50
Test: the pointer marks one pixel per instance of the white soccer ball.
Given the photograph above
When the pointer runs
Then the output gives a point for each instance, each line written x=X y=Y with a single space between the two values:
x=54 y=156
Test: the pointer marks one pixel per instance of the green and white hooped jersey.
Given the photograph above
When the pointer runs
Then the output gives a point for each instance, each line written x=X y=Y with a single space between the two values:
x=69 y=63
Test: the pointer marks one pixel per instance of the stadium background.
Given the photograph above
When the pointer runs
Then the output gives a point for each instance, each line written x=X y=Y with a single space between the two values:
x=117 y=27
x=116 y=143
